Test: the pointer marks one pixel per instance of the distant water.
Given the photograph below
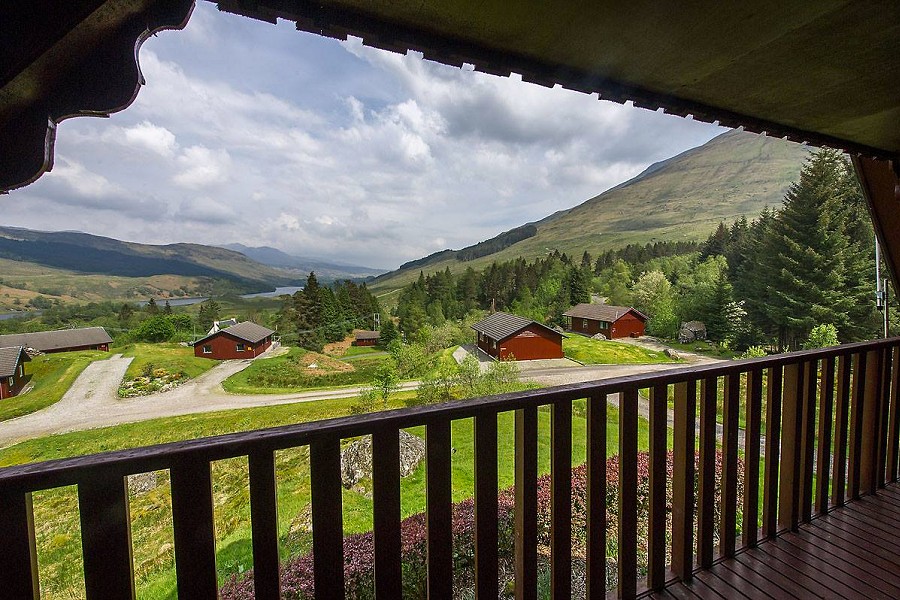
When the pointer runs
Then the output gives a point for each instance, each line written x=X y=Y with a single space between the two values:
x=20 y=315
x=174 y=301
x=279 y=291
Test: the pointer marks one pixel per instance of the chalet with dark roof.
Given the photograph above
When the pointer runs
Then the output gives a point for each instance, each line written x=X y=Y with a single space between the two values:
x=12 y=370
x=505 y=336
x=611 y=321
x=244 y=340
x=62 y=340
x=366 y=338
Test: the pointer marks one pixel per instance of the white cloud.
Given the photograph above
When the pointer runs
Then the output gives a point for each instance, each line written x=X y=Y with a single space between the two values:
x=247 y=132
x=147 y=135
x=202 y=167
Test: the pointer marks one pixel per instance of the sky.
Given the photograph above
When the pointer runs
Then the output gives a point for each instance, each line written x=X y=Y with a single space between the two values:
x=259 y=134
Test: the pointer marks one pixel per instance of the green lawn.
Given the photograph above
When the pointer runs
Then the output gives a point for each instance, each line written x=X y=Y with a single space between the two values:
x=174 y=358
x=51 y=375
x=607 y=352
x=56 y=518
x=354 y=351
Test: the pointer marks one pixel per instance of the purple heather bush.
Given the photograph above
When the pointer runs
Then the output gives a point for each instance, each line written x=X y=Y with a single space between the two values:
x=297 y=573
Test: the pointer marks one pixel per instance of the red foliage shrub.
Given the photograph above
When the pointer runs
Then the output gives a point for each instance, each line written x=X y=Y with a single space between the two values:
x=297 y=573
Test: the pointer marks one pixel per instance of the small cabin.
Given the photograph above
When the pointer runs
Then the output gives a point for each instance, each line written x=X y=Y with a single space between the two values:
x=12 y=370
x=366 y=338
x=243 y=340
x=61 y=340
x=505 y=336
x=610 y=321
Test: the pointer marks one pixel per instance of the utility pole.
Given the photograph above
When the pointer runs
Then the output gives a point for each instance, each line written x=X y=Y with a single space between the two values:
x=880 y=290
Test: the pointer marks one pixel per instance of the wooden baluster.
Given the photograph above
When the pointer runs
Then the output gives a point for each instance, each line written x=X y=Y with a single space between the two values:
x=857 y=400
x=773 y=450
x=327 y=518
x=841 y=416
x=628 y=434
x=106 y=537
x=826 y=421
x=870 y=429
x=884 y=403
x=706 y=503
x=684 y=439
x=789 y=484
x=264 y=522
x=893 y=443
x=750 y=524
x=807 y=439
x=438 y=511
x=486 y=551
x=386 y=513
x=656 y=571
x=596 y=497
x=561 y=500
x=728 y=511
x=18 y=561
x=194 y=527
x=526 y=503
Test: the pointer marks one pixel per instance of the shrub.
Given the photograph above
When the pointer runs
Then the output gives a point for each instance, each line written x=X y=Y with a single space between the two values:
x=297 y=573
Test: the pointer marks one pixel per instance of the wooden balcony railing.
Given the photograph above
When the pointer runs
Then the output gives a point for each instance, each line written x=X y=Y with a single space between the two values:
x=831 y=434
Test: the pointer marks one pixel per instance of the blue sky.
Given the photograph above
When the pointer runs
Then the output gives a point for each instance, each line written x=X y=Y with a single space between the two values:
x=255 y=133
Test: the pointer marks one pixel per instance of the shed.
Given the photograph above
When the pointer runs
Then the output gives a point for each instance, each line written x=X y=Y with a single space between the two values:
x=607 y=319
x=12 y=370
x=244 y=340
x=505 y=336
x=366 y=338
x=61 y=340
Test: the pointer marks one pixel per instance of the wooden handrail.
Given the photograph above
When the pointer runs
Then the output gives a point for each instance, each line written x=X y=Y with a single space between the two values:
x=850 y=391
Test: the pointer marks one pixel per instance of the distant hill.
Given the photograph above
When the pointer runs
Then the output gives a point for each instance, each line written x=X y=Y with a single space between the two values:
x=680 y=198
x=90 y=254
x=325 y=271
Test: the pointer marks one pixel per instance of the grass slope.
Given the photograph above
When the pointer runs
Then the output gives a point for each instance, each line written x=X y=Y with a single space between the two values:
x=683 y=198
x=56 y=519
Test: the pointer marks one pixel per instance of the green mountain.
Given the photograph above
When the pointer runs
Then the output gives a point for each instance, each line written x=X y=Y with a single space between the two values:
x=95 y=255
x=681 y=198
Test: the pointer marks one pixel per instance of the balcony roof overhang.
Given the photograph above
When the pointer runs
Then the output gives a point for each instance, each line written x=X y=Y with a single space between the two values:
x=820 y=72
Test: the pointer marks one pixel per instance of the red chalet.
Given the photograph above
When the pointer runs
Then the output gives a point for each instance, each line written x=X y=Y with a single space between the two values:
x=503 y=336
x=62 y=340
x=611 y=321
x=244 y=340
x=366 y=338
x=12 y=370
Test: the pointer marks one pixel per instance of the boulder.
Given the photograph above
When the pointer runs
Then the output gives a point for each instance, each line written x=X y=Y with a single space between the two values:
x=356 y=458
x=598 y=336
x=672 y=354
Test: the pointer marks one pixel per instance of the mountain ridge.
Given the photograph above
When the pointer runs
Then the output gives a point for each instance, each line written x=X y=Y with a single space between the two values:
x=682 y=198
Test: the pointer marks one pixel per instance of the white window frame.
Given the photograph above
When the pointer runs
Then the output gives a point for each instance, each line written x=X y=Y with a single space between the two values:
x=240 y=347
x=207 y=349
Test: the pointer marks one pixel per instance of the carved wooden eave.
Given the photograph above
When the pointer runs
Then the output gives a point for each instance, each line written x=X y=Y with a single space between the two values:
x=67 y=59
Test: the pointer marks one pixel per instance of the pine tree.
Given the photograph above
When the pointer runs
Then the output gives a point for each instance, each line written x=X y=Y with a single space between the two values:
x=808 y=253
x=152 y=308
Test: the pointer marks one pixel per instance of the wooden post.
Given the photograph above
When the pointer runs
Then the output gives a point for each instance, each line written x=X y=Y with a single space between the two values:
x=596 y=497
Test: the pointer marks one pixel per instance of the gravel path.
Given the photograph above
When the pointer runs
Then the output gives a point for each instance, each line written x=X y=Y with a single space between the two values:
x=92 y=400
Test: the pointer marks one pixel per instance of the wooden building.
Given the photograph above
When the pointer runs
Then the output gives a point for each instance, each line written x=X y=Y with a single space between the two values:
x=62 y=340
x=12 y=370
x=612 y=321
x=366 y=338
x=244 y=340
x=505 y=336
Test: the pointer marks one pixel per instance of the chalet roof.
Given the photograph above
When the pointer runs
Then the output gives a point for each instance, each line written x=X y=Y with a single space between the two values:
x=368 y=335
x=822 y=72
x=500 y=325
x=10 y=358
x=46 y=341
x=248 y=331
x=602 y=312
